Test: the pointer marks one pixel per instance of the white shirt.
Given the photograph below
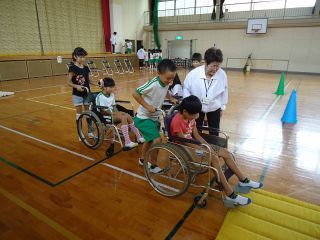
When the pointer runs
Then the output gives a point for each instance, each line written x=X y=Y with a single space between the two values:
x=153 y=92
x=129 y=45
x=141 y=53
x=105 y=101
x=146 y=56
x=213 y=93
x=177 y=90
x=113 y=39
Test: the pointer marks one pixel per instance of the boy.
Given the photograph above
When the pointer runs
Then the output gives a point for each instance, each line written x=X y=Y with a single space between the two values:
x=183 y=125
x=196 y=61
x=106 y=99
x=150 y=96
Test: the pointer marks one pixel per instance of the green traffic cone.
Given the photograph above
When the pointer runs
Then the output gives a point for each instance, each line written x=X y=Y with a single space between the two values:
x=280 y=90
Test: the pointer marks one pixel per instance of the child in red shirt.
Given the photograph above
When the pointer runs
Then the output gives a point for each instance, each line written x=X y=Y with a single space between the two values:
x=183 y=125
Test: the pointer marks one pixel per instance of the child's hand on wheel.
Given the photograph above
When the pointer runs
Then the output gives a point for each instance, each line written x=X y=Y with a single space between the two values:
x=150 y=108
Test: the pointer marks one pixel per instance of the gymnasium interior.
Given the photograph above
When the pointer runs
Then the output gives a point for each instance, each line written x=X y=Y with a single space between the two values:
x=58 y=183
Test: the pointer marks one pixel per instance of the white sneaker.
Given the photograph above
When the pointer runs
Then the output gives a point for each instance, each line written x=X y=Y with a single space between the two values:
x=251 y=184
x=141 y=140
x=155 y=169
x=239 y=200
x=91 y=135
x=131 y=145
x=141 y=162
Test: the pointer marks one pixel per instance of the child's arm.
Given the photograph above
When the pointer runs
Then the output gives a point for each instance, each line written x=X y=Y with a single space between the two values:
x=141 y=101
x=71 y=84
x=197 y=136
x=171 y=99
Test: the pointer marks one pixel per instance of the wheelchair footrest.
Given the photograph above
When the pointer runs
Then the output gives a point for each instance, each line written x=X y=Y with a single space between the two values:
x=228 y=203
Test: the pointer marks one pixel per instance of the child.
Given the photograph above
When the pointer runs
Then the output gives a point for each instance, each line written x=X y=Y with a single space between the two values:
x=150 y=96
x=146 y=59
x=106 y=99
x=196 y=61
x=129 y=46
x=151 y=60
x=175 y=88
x=184 y=125
x=78 y=79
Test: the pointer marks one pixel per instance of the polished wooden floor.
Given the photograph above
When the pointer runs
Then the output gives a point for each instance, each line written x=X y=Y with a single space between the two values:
x=46 y=193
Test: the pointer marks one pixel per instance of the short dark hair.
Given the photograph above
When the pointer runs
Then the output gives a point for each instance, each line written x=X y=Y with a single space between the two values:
x=115 y=33
x=197 y=57
x=191 y=104
x=108 y=82
x=166 y=65
x=213 y=55
x=78 y=52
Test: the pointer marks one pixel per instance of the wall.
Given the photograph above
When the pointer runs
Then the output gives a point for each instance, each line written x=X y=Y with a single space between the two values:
x=64 y=25
x=127 y=19
x=299 y=45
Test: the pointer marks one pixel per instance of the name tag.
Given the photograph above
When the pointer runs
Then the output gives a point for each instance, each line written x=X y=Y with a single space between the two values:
x=206 y=101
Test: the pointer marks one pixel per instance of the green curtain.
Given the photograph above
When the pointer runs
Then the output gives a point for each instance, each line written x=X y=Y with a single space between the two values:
x=155 y=24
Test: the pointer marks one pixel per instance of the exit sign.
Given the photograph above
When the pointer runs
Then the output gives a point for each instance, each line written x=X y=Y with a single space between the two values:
x=179 y=37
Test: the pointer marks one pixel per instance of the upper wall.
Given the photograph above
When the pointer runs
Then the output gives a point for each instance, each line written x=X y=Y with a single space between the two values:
x=63 y=25
x=127 y=19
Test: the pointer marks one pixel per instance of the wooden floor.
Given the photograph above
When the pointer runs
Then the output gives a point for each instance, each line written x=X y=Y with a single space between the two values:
x=47 y=193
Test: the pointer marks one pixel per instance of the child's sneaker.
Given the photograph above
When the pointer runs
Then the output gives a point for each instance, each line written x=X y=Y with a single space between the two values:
x=239 y=200
x=141 y=162
x=249 y=183
x=91 y=135
x=155 y=169
x=141 y=140
x=131 y=145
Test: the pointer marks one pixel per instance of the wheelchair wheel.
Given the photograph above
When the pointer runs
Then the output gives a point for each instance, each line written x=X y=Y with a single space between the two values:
x=90 y=129
x=194 y=169
x=174 y=179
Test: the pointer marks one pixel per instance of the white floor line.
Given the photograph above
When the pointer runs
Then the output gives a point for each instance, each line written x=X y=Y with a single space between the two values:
x=32 y=89
x=51 y=104
x=48 y=95
x=72 y=152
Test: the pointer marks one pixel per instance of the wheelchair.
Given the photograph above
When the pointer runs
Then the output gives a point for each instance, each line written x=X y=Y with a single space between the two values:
x=182 y=164
x=93 y=127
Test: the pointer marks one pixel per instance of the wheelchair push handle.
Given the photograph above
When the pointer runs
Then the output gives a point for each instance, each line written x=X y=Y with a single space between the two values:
x=85 y=89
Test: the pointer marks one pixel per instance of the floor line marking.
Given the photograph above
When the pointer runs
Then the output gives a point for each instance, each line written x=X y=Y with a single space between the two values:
x=36 y=213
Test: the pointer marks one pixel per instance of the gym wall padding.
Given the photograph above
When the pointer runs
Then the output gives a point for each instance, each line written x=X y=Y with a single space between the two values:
x=63 y=26
x=19 y=28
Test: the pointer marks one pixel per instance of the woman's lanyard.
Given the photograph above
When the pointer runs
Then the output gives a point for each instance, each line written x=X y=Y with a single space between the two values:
x=205 y=85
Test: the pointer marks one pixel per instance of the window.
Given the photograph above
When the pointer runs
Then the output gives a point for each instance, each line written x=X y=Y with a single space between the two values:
x=185 y=7
x=300 y=3
x=237 y=5
x=204 y=6
x=166 y=8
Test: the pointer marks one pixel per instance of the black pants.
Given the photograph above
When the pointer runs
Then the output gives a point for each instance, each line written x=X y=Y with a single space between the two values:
x=141 y=63
x=213 y=120
x=113 y=48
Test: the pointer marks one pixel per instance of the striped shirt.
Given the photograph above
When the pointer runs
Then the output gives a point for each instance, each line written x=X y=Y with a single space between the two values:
x=153 y=92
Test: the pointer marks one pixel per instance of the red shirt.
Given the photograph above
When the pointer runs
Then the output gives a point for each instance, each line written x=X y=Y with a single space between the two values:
x=179 y=125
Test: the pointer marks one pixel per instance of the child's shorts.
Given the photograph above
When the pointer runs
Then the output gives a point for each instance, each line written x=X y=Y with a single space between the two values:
x=78 y=101
x=148 y=128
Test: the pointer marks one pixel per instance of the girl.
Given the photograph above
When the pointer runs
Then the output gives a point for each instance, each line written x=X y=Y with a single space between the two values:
x=78 y=79
x=107 y=99
x=175 y=89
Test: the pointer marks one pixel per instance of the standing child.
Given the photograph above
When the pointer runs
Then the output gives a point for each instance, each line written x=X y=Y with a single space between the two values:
x=175 y=88
x=151 y=60
x=78 y=79
x=129 y=46
x=150 y=96
x=146 y=59
x=107 y=99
